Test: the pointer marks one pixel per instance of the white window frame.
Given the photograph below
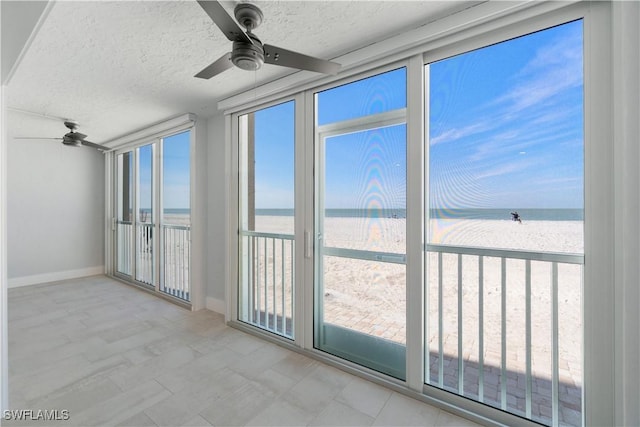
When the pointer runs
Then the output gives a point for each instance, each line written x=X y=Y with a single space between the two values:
x=130 y=143
x=598 y=173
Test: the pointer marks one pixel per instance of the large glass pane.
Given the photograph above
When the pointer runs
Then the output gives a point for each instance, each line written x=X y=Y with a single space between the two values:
x=266 y=164
x=360 y=303
x=374 y=95
x=505 y=234
x=364 y=187
x=176 y=215
x=176 y=179
x=144 y=224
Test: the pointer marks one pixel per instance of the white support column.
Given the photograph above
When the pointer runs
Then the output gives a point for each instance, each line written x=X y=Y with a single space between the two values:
x=303 y=229
x=231 y=220
x=199 y=221
x=626 y=114
x=109 y=216
x=415 y=357
x=599 y=274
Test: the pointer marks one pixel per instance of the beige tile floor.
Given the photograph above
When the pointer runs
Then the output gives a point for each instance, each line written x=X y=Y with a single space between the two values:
x=110 y=354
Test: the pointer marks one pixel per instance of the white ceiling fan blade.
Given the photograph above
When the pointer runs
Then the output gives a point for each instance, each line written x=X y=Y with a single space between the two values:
x=279 y=56
x=93 y=145
x=225 y=22
x=35 y=137
x=220 y=65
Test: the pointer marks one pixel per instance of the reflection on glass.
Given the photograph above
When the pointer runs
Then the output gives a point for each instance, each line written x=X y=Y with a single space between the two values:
x=364 y=190
x=374 y=95
x=360 y=287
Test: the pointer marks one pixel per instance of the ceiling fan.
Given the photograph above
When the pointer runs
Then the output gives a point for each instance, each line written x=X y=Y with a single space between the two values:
x=73 y=138
x=248 y=52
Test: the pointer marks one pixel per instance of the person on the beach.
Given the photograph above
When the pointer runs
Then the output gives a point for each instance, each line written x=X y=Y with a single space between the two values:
x=515 y=216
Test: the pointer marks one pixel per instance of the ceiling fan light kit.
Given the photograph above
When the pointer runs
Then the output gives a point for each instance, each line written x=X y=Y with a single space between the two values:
x=248 y=52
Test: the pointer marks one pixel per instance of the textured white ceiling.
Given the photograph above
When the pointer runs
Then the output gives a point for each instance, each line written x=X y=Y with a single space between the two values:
x=120 y=66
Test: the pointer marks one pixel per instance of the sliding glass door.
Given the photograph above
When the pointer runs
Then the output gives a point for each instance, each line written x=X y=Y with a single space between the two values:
x=134 y=225
x=360 y=289
x=152 y=221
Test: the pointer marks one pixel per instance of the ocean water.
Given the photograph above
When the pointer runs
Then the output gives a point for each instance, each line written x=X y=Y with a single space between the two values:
x=493 y=214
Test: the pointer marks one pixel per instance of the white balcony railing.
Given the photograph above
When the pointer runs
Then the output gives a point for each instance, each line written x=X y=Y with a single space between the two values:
x=176 y=256
x=503 y=327
x=268 y=269
x=144 y=253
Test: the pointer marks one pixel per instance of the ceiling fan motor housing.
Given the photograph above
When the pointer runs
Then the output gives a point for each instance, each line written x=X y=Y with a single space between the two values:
x=248 y=56
x=66 y=140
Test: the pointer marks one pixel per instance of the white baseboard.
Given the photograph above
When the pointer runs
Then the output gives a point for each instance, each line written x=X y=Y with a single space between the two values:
x=217 y=305
x=37 y=279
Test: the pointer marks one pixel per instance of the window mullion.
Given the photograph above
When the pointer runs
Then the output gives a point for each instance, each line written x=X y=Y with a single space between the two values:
x=415 y=224
x=157 y=217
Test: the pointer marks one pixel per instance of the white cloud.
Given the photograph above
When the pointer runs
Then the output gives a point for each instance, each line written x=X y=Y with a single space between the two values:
x=505 y=169
x=559 y=180
x=557 y=66
x=500 y=170
x=455 y=133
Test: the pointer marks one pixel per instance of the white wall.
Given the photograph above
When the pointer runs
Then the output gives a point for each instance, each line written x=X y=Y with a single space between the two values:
x=19 y=18
x=200 y=204
x=55 y=206
x=216 y=213
x=14 y=36
x=4 y=307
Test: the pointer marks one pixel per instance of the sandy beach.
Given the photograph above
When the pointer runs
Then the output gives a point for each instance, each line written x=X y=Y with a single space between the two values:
x=370 y=297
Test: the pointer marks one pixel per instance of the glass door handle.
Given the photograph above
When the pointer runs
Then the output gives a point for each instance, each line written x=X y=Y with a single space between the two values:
x=308 y=244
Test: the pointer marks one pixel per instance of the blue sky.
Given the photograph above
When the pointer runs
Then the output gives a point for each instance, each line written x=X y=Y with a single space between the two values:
x=505 y=131
x=506 y=124
x=274 y=156
x=176 y=170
